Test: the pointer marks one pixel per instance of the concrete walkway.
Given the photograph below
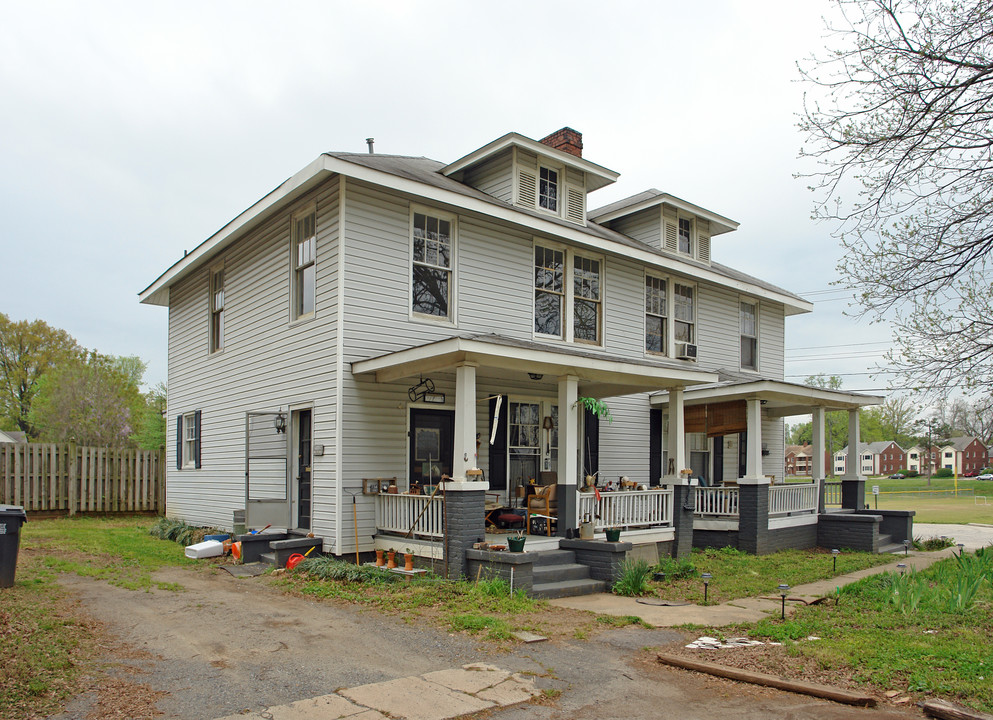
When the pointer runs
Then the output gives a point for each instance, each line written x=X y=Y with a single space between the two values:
x=432 y=696
x=753 y=609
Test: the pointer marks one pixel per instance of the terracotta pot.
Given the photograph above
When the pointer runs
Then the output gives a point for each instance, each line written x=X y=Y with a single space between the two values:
x=408 y=561
x=379 y=559
x=392 y=559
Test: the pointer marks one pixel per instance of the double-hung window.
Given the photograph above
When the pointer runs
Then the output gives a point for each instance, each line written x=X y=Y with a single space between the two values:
x=684 y=312
x=431 y=289
x=749 y=336
x=304 y=263
x=549 y=291
x=188 y=440
x=548 y=189
x=586 y=299
x=656 y=315
x=686 y=236
x=568 y=295
x=217 y=309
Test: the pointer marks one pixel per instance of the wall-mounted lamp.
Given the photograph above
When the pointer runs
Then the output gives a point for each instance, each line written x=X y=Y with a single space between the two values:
x=418 y=391
x=436 y=398
x=535 y=376
x=765 y=448
x=279 y=422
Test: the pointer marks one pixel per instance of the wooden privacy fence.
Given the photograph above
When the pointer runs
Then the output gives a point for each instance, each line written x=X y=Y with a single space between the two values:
x=65 y=478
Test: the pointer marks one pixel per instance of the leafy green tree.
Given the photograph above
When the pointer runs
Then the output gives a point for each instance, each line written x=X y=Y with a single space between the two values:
x=150 y=431
x=29 y=350
x=902 y=126
x=91 y=401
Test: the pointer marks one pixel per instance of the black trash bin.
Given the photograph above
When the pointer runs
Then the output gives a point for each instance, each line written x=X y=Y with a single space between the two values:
x=11 y=519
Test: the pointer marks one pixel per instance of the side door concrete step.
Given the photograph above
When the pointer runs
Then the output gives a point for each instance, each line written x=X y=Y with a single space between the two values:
x=556 y=573
x=568 y=588
x=553 y=557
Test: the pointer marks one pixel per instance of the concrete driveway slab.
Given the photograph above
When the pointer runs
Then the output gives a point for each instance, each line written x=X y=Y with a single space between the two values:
x=414 y=698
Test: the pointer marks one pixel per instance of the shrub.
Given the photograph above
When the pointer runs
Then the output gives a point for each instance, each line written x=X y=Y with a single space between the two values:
x=179 y=531
x=943 y=473
x=634 y=578
x=932 y=543
x=676 y=567
x=910 y=473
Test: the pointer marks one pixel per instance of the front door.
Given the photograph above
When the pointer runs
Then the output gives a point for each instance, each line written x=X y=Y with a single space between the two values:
x=432 y=439
x=304 y=474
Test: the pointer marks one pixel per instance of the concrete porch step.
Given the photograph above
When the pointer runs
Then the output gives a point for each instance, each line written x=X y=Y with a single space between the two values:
x=544 y=574
x=568 y=588
x=553 y=557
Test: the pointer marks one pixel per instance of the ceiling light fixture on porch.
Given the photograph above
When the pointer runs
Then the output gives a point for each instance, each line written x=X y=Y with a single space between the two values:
x=279 y=422
x=418 y=391
x=535 y=376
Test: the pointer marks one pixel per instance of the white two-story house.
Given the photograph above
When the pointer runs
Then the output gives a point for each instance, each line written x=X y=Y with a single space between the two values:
x=381 y=316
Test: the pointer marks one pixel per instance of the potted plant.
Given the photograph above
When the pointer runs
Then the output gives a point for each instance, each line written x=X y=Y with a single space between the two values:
x=516 y=541
x=408 y=560
x=379 y=558
x=613 y=534
x=391 y=557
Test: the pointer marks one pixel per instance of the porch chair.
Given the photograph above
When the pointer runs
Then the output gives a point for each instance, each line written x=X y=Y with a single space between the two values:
x=544 y=503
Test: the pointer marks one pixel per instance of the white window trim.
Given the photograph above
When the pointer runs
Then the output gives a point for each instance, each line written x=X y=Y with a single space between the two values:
x=693 y=235
x=668 y=316
x=696 y=313
x=758 y=346
x=189 y=443
x=213 y=348
x=450 y=320
x=568 y=295
x=559 y=188
x=310 y=208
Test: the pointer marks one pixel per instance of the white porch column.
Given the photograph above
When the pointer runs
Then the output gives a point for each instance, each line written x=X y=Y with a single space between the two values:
x=818 y=472
x=676 y=437
x=819 y=469
x=464 y=450
x=753 y=449
x=569 y=449
x=853 y=463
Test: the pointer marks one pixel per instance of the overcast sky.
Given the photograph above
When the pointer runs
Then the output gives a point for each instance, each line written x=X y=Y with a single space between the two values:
x=130 y=132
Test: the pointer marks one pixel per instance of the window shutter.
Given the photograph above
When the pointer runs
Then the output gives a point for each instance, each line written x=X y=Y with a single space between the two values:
x=498 y=449
x=575 y=209
x=703 y=248
x=655 y=446
x=179 y=442
x=671 y=240
x=527 y=188
x=196 y=442
x=591 y=441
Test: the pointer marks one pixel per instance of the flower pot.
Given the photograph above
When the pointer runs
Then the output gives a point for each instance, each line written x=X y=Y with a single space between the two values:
x=379 y=559
x=516 y=544
x=613 y=534
x=391 y=558
x=408 y=561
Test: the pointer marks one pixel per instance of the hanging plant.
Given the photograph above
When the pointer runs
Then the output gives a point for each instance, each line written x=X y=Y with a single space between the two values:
x=597 y=407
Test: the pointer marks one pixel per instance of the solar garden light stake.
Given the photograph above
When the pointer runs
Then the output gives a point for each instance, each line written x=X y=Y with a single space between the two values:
x=901 y=567
x=961 y=549
x=706 y=581
x=906 y=547
x=834 y=560
x=783 y=590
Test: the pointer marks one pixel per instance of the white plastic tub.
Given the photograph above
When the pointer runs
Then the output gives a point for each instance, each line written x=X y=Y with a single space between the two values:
x=206 y=549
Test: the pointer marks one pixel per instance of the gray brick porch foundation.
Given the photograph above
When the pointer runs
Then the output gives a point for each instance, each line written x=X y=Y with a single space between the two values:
x=465 y=508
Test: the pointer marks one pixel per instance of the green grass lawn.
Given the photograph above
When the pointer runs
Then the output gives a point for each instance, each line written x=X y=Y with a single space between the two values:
x=937 y=502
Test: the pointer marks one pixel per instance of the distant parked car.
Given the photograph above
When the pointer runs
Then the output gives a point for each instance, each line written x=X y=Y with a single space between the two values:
x=897 y=476
x=985 y=476
x=971 y=473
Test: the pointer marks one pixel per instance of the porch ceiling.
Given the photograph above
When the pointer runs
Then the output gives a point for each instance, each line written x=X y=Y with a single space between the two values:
x=781 y=399
x=600 y=375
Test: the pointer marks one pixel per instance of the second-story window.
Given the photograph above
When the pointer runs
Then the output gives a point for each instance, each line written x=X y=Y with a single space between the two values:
x=217 y=309
x=685 y=236
x=685 y=314
x=586 y=300
x=655 y=315
x=749 y=336
x=432 y=265
x=304 y=264
x=549 y=290
x=548 y=189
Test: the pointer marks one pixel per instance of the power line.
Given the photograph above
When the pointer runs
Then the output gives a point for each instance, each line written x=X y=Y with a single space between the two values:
x=822 y=347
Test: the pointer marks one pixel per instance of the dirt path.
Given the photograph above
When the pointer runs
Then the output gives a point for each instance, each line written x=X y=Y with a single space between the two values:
x=226 y=646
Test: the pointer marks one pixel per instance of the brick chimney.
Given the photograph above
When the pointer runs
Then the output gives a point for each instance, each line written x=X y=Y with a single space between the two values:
x=567 y=140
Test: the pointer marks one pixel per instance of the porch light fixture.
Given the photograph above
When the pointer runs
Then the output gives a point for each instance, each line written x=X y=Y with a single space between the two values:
x=279 y=422
x=535 y=376
x=834 y=560
x=706 y=581
x=783 y=590
x=418 y=391
x=436 y=398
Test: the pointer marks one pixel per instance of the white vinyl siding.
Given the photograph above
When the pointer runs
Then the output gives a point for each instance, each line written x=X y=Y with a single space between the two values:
x=625 y=442
x=494 y=177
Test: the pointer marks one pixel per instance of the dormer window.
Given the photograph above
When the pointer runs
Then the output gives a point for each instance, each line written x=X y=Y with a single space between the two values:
x=548 y=189
x=685 y=236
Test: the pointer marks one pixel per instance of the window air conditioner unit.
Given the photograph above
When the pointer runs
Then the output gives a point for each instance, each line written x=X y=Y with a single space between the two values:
x=686 y=351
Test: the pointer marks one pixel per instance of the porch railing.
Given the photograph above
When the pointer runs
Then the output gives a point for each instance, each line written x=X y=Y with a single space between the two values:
x=400 y=513
x=716 y=501
x=628 y=509
x=832 y=493
x=792 y=499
